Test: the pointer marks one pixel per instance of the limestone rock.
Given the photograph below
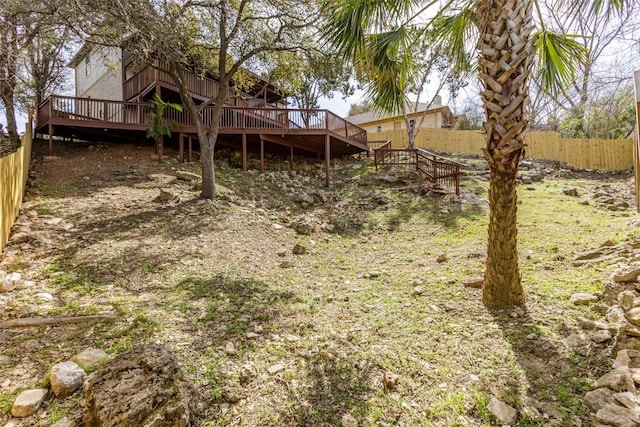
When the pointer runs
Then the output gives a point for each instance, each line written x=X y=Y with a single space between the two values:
x=615 y=380
x=598 y=398
x=618 y=416
x=578 y=343
x=230 y=349
x=303 y=226
x=286 y=264
x=6 y=285
x=628 y=400
x=600 y=336
x=64 y=422
x=66 y=378
x=625 y=299
x=247 y=372
x=629 y=274
x=90 y=358
x=299 y=250
x=573 y=192
x=442 y=258
x=390 y=380
x=631 y=330
x=188 y=176
x=28 y=402
x=168 y=196
x=615 y=315
x=593 y=257
x=349 y=421
x=583 y=298
x=476 y=283
x=503 y=412
x=622 y=359
x=143 y=387
x=232 y=393
x=633 y=316
x=274 y=369
x=592 y=324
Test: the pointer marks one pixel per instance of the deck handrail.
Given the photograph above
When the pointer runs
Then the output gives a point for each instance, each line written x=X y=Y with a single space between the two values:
x=434 y=168
x=429 y=153
x=250 y=118
x=196 y=84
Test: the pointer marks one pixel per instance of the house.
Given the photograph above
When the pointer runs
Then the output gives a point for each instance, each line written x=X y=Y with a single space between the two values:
x=437 y=116
x=113 y=86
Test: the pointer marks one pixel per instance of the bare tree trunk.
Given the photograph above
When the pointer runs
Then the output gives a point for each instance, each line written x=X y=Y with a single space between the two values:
x=506 y=50
x=207 y=130
x=208 y=170
x=10 y=114
x=412 y=139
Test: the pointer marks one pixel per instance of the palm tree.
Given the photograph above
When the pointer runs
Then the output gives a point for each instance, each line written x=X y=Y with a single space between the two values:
x=159 y=125
x=377 y=34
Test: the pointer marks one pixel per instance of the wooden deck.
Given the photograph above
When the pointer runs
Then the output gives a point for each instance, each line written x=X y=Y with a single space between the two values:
x=318 y=133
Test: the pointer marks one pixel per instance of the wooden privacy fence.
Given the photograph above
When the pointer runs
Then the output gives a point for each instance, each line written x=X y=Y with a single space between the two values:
x=606 y=154
x=14 y=170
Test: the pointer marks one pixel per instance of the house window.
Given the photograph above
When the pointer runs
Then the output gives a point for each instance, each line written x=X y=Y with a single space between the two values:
x=87 y=67
x=379 y=128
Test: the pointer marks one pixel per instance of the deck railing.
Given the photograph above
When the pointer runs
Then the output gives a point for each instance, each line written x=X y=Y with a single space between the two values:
x=197 y=84
x=434 y=168
x=75 y=110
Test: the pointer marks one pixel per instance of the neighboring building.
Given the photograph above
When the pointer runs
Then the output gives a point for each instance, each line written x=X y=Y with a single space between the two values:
x=437 y=116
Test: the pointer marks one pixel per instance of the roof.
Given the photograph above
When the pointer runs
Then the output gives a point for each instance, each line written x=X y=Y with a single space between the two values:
x=80 y=55
x=374 y=116
x=87 y=47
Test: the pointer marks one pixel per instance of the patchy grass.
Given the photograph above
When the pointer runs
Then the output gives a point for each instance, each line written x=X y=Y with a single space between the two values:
x=366 y=299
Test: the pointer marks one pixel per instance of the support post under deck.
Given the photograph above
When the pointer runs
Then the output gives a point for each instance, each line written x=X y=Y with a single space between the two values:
x=327 y=159
x=244 y=152
x=181 y=145
x=190 y=149
x=50 y=139
x=261 y=155
x=291 y=158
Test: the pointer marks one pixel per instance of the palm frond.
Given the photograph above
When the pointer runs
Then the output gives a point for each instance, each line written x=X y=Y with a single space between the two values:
x=557 y=56
x=351 y=21
x=389 y=67
x=454 y=32
x=601 y=7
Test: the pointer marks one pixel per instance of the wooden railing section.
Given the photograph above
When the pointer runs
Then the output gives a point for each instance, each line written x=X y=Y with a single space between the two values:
x=196 y=84
x=434 y=168
x=71 y=110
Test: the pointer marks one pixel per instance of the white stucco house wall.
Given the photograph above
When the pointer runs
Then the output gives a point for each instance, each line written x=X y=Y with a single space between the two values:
x=98 y=72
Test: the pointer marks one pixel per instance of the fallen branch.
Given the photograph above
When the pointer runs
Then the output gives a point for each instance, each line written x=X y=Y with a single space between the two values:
x=38 y=321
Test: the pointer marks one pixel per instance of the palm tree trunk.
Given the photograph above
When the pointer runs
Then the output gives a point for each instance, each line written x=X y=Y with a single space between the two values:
x=502 y=277
x=506 y=50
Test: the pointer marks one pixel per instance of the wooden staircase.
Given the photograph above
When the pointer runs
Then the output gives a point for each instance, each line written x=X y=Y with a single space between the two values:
x=433 y=168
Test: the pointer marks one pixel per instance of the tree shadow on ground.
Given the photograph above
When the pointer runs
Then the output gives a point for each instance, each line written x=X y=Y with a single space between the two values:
x=240 y=304
x=440 y=212
x=335 y=389
x=555 y=379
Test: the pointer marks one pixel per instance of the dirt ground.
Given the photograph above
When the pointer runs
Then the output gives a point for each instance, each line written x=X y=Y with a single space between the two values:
x=273 y=338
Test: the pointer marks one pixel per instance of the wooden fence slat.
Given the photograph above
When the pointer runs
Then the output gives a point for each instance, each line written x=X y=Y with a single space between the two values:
x=575 y=152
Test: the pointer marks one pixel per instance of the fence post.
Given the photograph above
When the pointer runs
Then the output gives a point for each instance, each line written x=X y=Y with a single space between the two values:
x=636 y=159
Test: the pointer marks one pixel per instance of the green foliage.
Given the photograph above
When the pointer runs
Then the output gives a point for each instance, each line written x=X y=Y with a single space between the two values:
x=159 y=125
x=610 y=116
x=558 y=56
x=360 y=107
